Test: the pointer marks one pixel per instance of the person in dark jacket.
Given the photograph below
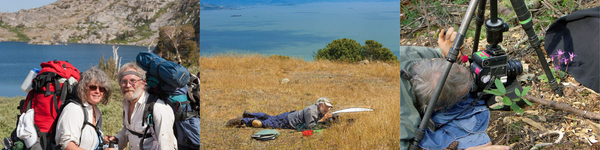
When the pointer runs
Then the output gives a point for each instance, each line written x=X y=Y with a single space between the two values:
x=306 y=118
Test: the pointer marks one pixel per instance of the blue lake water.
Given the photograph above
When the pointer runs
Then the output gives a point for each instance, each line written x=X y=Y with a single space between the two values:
x=298 y=30
x=17 y=58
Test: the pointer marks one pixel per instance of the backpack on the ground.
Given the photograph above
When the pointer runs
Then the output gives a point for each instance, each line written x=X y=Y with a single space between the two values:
x=173 y=84
x=50 y=88
x=265 y=135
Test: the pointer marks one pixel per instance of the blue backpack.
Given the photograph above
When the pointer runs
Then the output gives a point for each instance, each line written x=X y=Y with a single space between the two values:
x=169 y=72
x=173 y=84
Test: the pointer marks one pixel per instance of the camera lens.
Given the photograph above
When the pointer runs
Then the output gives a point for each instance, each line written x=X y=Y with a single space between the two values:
x=514 y=68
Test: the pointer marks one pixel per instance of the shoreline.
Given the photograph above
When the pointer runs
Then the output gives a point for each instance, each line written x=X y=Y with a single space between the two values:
x=67 y=43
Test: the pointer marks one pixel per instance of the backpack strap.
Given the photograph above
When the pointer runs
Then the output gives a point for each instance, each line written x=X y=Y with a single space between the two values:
x=148 y=113
x=187 y=112
x=157 y=70
x=149 y=108
x=139 y=135
x=63 y=95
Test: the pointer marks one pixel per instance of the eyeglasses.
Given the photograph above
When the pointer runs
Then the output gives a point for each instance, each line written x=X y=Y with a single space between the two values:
x=133 y=82
x=94 y=87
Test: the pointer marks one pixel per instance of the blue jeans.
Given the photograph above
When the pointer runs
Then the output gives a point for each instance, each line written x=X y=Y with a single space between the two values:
x=468 y=129
x=279 y=121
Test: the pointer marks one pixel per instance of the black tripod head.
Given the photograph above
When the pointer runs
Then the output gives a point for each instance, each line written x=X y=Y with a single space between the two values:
x=494 y=34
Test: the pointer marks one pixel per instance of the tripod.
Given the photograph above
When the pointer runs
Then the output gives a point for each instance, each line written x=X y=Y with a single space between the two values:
x=495 y=27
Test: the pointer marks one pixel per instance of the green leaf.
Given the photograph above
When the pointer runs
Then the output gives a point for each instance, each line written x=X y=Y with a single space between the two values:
x=498 y=106
x=516 y=108
x=493 y=91
x=506 y=101
x=528 y=102
x=543 y=78
x=518 y=92
x=500 y=86
x=525 y=90
x=521 y=111
x=517 y=99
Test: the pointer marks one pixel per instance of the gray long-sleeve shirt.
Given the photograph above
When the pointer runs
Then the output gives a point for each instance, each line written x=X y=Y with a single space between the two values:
x=409 y=115
x=309 y=115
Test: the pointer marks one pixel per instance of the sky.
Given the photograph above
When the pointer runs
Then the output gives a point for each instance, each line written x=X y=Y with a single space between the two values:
x=16 y=5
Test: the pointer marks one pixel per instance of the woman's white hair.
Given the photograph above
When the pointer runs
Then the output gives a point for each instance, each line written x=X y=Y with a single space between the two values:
x=426 y=76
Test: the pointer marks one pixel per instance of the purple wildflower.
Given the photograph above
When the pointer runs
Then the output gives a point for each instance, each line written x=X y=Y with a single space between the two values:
x=552 y=57
x=571 y=55
x=556 y=67
x=565 y=60
x=560 y=52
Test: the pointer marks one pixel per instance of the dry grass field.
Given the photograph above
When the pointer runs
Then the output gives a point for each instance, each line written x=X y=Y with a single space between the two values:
x=232 y=83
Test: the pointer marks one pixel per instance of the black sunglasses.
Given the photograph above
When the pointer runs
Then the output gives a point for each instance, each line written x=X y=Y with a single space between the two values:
x=94 y=87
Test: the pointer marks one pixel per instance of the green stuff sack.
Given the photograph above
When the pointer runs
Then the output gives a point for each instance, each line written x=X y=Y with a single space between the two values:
x=265 y=135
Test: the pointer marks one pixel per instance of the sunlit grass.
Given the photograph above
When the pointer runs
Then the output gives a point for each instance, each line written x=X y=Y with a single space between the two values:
x=232 y=83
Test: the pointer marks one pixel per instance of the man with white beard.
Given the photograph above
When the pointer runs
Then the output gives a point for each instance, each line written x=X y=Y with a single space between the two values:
x=132 y=83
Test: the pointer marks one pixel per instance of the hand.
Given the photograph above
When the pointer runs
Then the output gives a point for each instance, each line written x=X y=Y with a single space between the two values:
x=327 y=116
x=110 y=149
x=489 y=146
x=109 y=138
x=446 y=40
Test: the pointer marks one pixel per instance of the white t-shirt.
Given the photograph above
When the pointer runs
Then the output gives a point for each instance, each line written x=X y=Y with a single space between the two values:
x=70 y=123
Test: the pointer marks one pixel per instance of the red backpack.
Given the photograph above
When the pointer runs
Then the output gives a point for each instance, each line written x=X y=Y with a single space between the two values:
x=54 y=84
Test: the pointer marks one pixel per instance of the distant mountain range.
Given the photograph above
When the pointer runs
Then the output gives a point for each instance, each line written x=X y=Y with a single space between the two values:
x=130 y=22
x=241 y=3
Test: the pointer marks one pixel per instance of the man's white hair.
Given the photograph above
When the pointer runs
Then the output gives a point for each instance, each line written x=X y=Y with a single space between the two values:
x=426 y=76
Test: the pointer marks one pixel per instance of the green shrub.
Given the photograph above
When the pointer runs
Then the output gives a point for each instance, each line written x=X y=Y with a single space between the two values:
x=373 y=50
x=347 y=50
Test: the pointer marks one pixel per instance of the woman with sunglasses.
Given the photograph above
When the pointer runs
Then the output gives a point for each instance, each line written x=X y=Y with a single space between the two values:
x=79 y=124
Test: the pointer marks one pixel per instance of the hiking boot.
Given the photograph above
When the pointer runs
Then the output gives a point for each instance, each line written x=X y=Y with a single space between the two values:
x=247 y=115
x=256 y=123
x=235 y=122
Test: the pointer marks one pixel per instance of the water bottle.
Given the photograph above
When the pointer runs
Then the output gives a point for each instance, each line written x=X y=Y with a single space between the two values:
x=26 y=86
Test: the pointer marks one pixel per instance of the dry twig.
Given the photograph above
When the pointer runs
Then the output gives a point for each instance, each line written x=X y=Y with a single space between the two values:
x=534 y=124
x=563 y=106
x=551 y=7
x=560 y=136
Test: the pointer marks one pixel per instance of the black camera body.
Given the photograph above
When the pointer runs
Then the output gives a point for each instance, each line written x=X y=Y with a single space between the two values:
x=493 y=61
x=486 y=65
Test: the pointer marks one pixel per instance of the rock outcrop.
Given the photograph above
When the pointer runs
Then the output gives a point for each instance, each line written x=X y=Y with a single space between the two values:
x=130 y=22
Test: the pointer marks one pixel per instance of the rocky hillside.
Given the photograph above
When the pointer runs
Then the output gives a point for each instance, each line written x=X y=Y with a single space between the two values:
x=131 y=22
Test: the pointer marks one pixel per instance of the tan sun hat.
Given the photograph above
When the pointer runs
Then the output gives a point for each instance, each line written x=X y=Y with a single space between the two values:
x=325 y=100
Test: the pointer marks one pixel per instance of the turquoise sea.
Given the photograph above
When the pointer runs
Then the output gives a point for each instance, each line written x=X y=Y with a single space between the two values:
x=298 y=30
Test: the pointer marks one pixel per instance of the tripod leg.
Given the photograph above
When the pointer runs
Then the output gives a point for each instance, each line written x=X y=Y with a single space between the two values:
x=460 y=37
x=479 y=22
x=525 y=19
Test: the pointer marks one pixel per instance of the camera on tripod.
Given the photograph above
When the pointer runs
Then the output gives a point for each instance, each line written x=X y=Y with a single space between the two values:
x=493 y=61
